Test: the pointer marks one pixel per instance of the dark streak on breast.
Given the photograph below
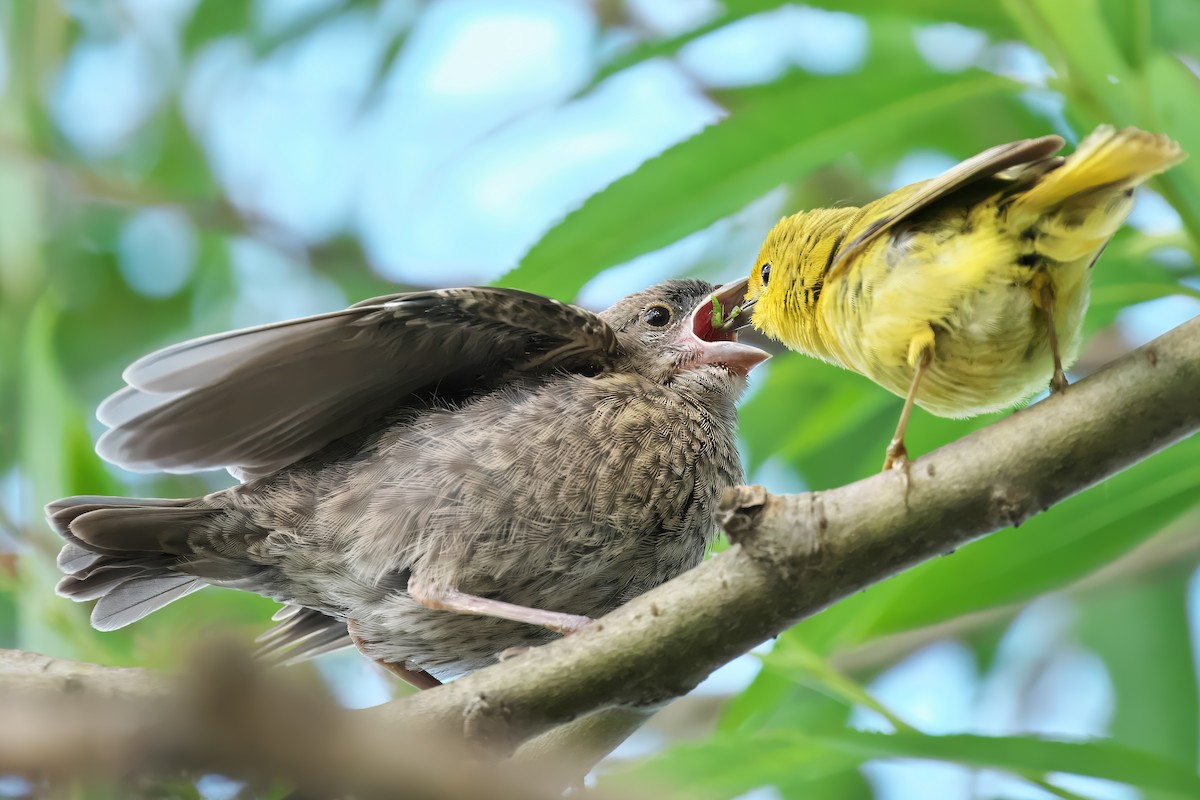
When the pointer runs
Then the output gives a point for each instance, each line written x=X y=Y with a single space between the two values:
x=833 y=251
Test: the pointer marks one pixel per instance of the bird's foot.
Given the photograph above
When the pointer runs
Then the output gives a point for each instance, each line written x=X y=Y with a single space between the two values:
x=897 y=457
x=443 y=599
x=1058 y=383
x=897 y=461
x=415 y=677
x=566 y=624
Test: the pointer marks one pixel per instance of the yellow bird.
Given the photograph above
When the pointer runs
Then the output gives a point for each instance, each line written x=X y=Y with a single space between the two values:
x=963 y=294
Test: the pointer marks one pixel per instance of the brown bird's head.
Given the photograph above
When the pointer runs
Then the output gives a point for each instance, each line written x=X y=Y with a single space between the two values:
x=667 y=335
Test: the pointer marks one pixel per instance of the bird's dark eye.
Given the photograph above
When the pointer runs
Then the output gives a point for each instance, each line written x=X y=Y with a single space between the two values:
x=766 y=273
x=657 y=316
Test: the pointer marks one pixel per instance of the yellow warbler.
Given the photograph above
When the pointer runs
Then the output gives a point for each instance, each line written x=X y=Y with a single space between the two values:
x=965 y=293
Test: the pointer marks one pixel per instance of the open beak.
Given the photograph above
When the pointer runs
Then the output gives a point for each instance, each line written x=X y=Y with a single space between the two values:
x=745 y=311
x=713 y=331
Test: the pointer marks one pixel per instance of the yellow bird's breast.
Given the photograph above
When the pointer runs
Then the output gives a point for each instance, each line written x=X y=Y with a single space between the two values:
x=966 y=280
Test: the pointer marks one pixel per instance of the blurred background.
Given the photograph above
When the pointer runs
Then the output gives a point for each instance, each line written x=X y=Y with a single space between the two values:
x=170 y=168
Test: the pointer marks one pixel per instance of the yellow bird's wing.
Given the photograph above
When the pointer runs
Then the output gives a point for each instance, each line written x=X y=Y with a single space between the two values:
x=1107 y=158
x=985 y=165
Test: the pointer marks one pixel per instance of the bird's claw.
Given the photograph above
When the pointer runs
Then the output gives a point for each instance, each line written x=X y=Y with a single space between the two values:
x=570 y=623
x=1058 y=383
x=897 y=461
x=897 y=457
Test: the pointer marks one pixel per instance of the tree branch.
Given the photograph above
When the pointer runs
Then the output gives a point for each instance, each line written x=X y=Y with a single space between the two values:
x=65 y=721
x=24 y=673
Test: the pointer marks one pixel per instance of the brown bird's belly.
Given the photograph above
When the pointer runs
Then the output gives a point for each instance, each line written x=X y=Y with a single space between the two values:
x=398 y=629
x=572 y=497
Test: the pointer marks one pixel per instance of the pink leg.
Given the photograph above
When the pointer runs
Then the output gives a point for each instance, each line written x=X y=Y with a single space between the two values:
x=418 y=678
x=454 y=600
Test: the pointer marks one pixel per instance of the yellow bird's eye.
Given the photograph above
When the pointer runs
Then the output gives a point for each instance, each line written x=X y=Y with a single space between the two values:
x=765 y=273
x=657 y=316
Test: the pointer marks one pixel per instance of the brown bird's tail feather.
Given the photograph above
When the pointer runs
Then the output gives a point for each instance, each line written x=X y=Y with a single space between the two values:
x=123 y=551
x=302 y=633
x=1108 y=158
x=136 y=555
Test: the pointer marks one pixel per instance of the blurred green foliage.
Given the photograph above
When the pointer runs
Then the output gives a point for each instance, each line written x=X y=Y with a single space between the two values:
x=1122 y=551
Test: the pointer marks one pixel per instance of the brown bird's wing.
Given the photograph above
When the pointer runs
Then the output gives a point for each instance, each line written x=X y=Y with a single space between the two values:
x=258 y=399
x=984 y=165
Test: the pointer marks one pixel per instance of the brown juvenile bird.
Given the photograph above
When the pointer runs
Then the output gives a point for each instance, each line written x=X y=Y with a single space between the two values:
x=436 y=476
x=965 y=293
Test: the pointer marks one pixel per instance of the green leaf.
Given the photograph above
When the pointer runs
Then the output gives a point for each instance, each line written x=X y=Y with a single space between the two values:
x=215 y=20
x=305 y=24
x=181 y=170
x=1102 y=85
x=1052 y=550
x=1125 y=275
x=50 y=437
x=1175 y=94
x=754 y=706
x=848 y=784
x=1130 y=24
x=830 y=424
x=9 y=611
x=776 y=133
x=1089 y=64
x=1174 y=24
x=806 y=667
x=734 y=11
x=730 y=763
x=1026 y=756
x=988 y=17
x=1142 y=632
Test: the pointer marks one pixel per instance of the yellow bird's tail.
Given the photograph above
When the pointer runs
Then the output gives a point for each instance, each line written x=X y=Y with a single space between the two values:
x=1107 y=159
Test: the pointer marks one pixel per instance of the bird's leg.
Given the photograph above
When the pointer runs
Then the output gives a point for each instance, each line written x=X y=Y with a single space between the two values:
x=920 y=352
x=417 y=677
x=453 y=600
x=1058 y=382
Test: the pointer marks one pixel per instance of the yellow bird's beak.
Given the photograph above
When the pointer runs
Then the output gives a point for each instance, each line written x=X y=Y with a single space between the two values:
x=735 y=308
x=747 y=310
x=713 y=328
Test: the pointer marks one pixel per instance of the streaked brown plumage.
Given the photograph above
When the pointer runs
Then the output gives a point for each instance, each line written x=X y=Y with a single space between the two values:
x=463 y=449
